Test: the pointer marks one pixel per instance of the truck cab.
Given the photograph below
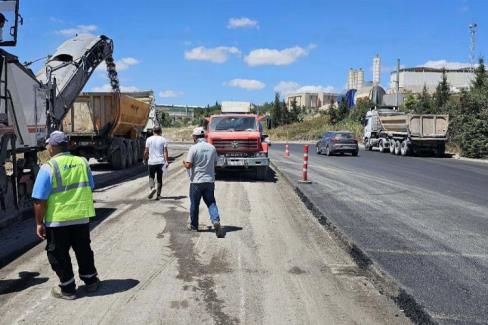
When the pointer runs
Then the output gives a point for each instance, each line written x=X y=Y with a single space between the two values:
x=239 y=140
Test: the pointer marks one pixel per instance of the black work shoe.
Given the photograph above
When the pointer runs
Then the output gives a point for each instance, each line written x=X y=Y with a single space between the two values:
x=150 y=196
x=191 y=228
x=158 y=197
x=219 y=231
x=93 y=286
x=57 y=292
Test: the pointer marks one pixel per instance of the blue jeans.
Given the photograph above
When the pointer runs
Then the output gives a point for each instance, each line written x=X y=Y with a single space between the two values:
x=205 y=191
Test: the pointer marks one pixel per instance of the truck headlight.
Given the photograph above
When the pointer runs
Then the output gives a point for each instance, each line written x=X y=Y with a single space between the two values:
x=261 y=154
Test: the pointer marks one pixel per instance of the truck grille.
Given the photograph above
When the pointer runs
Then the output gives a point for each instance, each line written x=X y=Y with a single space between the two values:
x=235 y=145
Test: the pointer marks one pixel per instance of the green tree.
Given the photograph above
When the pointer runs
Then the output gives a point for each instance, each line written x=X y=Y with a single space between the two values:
x=424 y=102
x=343 y=111
x=441 y=95
x=163 y=118
x=471 y=122
x=363 y=105
x=410 y=102
x=332 y=112
x=276 y=112
x=295 y=112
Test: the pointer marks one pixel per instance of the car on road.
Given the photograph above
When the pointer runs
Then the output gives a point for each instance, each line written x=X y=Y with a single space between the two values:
x=334 y=142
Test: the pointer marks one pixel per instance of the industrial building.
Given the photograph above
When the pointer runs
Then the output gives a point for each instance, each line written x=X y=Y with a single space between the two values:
x=318 y=100
x=412 y=80
x=177 y=112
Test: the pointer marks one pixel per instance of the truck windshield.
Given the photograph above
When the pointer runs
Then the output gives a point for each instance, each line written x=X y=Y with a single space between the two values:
x=233 y=123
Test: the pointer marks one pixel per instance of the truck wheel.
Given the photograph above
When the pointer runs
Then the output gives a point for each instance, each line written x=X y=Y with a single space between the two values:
x=404 y=149
x=440 y=150
x=397 y=147
x=381 y=146
x=129 y=153
x=119 y=156
x=392 y=147
x=262 y=173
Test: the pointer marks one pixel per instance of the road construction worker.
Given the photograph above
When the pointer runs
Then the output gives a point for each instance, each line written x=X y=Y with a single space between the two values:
x=156 y=157
x=200 y=163
x=63 y=204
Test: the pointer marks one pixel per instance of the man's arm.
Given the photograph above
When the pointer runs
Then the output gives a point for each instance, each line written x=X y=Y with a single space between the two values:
x=166 y=156
x=39 y=211
x=187 y=163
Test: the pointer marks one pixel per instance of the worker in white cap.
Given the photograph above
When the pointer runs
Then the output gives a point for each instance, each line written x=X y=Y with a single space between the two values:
x=200 y=162
x=63 y=204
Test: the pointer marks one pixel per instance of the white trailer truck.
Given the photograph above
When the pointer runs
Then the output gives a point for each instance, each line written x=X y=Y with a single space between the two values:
x=405 y=134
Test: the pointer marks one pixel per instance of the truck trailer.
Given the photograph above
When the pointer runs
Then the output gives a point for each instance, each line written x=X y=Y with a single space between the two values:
x=109 y=126
x=405 y=134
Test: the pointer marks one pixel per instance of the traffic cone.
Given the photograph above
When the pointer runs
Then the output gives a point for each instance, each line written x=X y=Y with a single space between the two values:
x=287 y=152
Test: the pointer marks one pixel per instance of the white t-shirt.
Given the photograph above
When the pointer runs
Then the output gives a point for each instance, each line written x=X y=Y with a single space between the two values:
x=156 y=145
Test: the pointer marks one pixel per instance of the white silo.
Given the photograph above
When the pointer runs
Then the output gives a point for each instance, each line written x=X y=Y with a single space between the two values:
x=360 y=79
x=355 y=79
x=376 y=70
x=350 y=79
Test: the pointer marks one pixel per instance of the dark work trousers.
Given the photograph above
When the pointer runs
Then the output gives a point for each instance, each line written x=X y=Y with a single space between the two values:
x=156 y=170
x=205 y=191
x=59 y=242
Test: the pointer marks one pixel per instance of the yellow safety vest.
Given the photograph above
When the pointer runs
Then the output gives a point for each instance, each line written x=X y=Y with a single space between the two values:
x=71 y=197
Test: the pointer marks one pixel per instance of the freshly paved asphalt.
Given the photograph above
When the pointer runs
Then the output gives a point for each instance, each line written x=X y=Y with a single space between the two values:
x=423 y=220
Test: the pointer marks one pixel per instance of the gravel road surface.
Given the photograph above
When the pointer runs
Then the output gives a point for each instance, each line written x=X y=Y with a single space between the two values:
x=276 y=264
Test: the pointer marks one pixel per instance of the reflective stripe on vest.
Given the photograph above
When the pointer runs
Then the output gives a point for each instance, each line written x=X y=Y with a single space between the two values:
x=71 y=197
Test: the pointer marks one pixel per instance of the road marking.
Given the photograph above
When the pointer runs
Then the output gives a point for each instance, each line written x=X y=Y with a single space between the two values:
x=424 y=253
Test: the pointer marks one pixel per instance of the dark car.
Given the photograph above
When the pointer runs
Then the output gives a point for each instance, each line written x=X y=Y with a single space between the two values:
x=337 y=142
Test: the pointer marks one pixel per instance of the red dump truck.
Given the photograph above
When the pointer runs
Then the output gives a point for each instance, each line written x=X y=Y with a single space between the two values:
x=109 y=126
x=238 y=137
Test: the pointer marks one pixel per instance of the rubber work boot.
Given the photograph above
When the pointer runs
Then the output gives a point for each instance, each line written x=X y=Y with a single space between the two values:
x=219 y=231
x=93 y=286
x=57 y=292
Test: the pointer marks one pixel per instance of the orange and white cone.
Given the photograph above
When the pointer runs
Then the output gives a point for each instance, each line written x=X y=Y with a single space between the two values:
x=287 y=152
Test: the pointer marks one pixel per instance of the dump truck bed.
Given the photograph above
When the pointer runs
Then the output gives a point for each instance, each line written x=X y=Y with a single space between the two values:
x=416 y=125
x=107 y=115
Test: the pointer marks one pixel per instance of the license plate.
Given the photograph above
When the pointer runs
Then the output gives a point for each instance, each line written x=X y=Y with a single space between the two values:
x=235 y=162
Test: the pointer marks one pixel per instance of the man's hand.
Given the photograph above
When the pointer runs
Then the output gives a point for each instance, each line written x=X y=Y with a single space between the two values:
x=41 y=231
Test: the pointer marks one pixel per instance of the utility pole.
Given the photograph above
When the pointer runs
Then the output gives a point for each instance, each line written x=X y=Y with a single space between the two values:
x=472 y=50
x=398 y=84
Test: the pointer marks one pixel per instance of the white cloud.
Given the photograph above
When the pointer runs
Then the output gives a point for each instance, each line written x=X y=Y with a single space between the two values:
x=108 y=88
x=247 y=84
x=243 y=22
x=170 y=93
x=78 y=30
x=56 y=20
x=439 y=64
x=288 y=87
x=215 y=55
x=277 y=57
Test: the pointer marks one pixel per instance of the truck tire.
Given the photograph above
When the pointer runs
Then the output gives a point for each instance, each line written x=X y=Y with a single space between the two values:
x=440 y=150
x=404 y=149
x=262 y=173
x=397 y=147
x=381 y=146
x=392 y=147
x=130 y=154
x=119 y=156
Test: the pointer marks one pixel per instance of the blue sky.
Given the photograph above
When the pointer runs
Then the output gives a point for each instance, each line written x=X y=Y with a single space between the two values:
x=197 y=52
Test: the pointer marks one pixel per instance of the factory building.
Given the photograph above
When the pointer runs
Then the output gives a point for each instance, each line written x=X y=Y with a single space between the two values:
x=412 y=80
x=318 y=100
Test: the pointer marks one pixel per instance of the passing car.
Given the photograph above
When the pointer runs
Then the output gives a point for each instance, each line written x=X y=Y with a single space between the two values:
x=334 y=142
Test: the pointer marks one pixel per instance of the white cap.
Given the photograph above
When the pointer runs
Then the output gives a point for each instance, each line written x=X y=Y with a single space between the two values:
x=198 y=131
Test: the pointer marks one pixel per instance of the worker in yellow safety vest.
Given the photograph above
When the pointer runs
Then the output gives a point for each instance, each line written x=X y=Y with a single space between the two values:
x=63 y=204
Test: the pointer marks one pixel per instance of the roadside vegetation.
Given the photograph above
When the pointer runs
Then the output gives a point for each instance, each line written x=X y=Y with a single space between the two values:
x=468 y=112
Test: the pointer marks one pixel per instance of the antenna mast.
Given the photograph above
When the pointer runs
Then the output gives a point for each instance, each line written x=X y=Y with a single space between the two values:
x=472 y=50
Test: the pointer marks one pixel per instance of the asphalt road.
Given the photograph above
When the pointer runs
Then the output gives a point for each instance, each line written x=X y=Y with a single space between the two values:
x=423 y=220
x=276 y=265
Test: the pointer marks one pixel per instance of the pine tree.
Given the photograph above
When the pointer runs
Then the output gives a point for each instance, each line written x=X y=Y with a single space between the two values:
x=343 y=111
x=481 y=78
x=276 y=115
x=332 y=112
x=295 y=112
x=441 y=95
x=424 y=105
